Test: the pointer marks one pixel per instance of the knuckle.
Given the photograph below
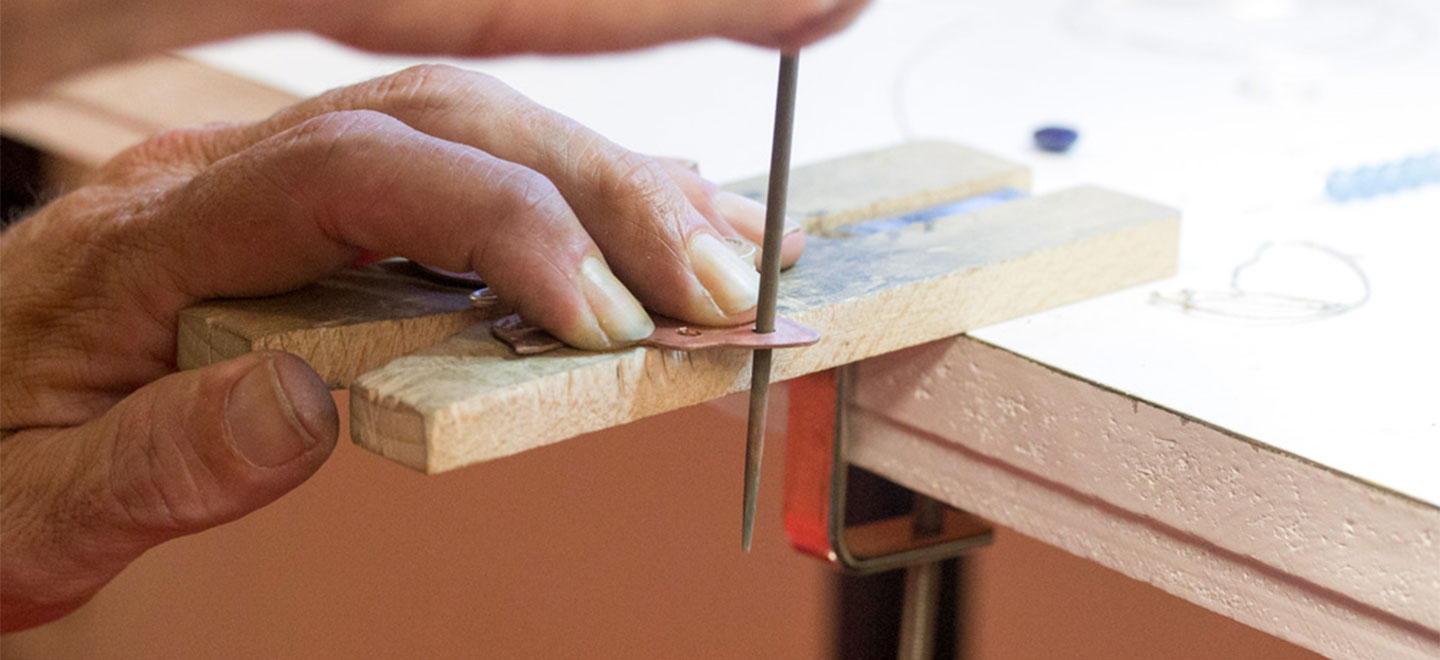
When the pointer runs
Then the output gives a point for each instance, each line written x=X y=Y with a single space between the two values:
x=156 y=481
x=535 y=119
x=426 y=88
x=336 y=129
x=171 y=146
x=302 y=164
x=632 y=179
x=422 y=76
x=314 y=147
x=530 y=196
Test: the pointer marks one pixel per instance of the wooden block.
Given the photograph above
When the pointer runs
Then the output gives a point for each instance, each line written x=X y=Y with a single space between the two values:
x=168 y=91
x=344 y=325
x=441 y=401
x=354 y=322
x=468 y=399
x=86 y=137
x=888 y=182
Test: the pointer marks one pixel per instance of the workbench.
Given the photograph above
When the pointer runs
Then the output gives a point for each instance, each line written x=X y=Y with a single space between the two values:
x=1286 y=475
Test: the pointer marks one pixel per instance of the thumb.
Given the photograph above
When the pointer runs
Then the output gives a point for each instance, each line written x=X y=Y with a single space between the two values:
x=180 y=455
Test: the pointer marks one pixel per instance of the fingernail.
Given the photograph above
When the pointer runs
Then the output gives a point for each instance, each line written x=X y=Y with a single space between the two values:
x=732 y=283
x=745 y=214
x=792 y=226
x=747 y=251
x=279 y=411
x=619 y=314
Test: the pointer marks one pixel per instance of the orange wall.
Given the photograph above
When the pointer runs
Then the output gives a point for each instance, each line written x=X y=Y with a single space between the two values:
x=1031 y=601
x=622 y=544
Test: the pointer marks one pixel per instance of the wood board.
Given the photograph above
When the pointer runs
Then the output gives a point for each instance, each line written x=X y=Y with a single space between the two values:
x=88 y=118
x=468 y=399
x=433 y=390
x=344 y=325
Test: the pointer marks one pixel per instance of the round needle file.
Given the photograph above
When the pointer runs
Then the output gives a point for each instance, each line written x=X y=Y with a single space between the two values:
x=769 y=282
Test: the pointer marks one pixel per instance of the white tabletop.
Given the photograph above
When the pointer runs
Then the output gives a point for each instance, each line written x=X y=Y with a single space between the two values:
x=1182 y=106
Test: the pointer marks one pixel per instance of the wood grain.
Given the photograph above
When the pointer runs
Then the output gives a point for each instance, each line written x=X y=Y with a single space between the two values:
x=344 y=325
x=468 y=399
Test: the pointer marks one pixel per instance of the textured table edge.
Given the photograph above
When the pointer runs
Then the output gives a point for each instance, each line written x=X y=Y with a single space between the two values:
x=1305 y=582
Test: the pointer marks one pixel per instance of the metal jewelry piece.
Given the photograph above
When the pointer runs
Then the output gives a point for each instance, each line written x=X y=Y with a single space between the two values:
x=526 y=339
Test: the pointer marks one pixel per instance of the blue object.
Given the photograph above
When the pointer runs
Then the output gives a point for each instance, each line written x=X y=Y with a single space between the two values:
x=967 y=205
x=1369 y=181
x=1055 y=139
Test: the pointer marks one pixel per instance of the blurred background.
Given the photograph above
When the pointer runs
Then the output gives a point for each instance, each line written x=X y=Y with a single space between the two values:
x=621 y=544
x=1248 y=115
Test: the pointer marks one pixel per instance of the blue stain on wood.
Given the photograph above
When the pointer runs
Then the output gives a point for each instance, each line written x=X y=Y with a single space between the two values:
x=957 y=207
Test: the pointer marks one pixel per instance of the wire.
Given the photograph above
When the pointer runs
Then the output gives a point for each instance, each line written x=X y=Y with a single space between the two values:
x=1237 y=302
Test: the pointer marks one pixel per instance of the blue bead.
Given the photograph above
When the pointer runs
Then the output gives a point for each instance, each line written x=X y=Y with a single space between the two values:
x=1055 y=139
x=1430 y=168
x=1387 y=178
x=1338 y=186
x=1364 y=181
x=1411 y=175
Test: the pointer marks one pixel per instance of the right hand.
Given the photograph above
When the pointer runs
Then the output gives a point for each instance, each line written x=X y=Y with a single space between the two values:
x=43 y=39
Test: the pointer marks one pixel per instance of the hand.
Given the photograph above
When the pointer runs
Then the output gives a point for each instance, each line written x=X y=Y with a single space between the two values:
x=43 y=39
x=107 y=452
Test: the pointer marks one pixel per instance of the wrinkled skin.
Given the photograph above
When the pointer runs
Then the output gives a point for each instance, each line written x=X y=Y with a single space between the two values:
x=108 y=452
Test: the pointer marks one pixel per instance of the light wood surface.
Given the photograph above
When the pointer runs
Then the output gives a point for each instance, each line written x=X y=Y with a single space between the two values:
x=1293 y=548
x=88 y=118
x=344 y=325
x=888 y=182
x=468 y=399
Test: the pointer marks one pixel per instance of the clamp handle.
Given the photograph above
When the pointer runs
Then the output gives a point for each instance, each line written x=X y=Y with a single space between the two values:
x=816 y=478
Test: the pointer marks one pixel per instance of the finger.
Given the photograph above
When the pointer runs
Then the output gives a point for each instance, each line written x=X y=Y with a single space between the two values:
x=698 y=190
x=734 y=214
x=308 y=200
x=689 y=164
x=657 y=242
x=814 y=27
x=484 y=27
x=747 y=216
x=178 y=456
x=559 y=26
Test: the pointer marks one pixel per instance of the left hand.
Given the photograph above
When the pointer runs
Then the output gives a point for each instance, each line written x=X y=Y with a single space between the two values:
x=108 y=452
